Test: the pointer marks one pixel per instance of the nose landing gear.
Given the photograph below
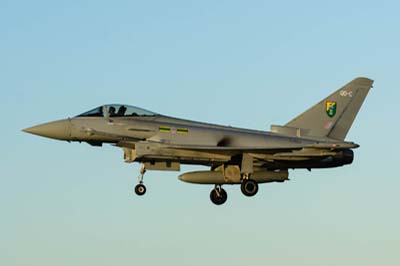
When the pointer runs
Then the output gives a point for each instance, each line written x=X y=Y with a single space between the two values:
x=140 y=189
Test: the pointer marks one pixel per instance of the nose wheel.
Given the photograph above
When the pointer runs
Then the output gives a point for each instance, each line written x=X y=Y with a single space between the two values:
x=140 y=189
x=218 y=195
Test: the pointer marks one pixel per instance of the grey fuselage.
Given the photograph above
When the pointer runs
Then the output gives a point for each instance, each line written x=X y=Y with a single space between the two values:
x=164 y=136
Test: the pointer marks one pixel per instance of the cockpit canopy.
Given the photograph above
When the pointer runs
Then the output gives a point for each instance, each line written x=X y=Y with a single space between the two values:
x=117 y=110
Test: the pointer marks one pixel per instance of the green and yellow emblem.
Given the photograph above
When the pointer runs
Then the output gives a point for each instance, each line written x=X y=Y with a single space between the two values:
x=331 y=109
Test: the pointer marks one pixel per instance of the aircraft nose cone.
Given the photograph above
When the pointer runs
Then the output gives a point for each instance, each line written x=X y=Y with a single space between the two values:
x=60 y=130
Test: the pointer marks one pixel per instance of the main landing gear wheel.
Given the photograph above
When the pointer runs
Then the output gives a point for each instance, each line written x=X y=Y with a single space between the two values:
x=218 y=195
x=140 y=190
x=249 y=187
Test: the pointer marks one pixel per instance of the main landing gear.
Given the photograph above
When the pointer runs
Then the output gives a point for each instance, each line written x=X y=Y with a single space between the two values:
x=218 y=195
x=140 y=189
x=249 y=187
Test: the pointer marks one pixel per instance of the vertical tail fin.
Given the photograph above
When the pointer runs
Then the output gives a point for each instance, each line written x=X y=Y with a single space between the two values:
x=333 y=116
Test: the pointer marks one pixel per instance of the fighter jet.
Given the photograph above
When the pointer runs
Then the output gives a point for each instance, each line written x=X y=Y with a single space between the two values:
x=314 y=139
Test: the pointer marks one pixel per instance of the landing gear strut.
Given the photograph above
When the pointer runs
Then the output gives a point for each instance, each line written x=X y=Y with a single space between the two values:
x=140 y=189
x=218 y=195
x=249 y=187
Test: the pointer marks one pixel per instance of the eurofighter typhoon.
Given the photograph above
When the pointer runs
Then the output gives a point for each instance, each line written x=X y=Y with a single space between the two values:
x=314 y=139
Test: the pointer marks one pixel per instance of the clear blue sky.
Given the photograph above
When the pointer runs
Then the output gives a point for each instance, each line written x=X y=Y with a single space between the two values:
x=243 y=63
